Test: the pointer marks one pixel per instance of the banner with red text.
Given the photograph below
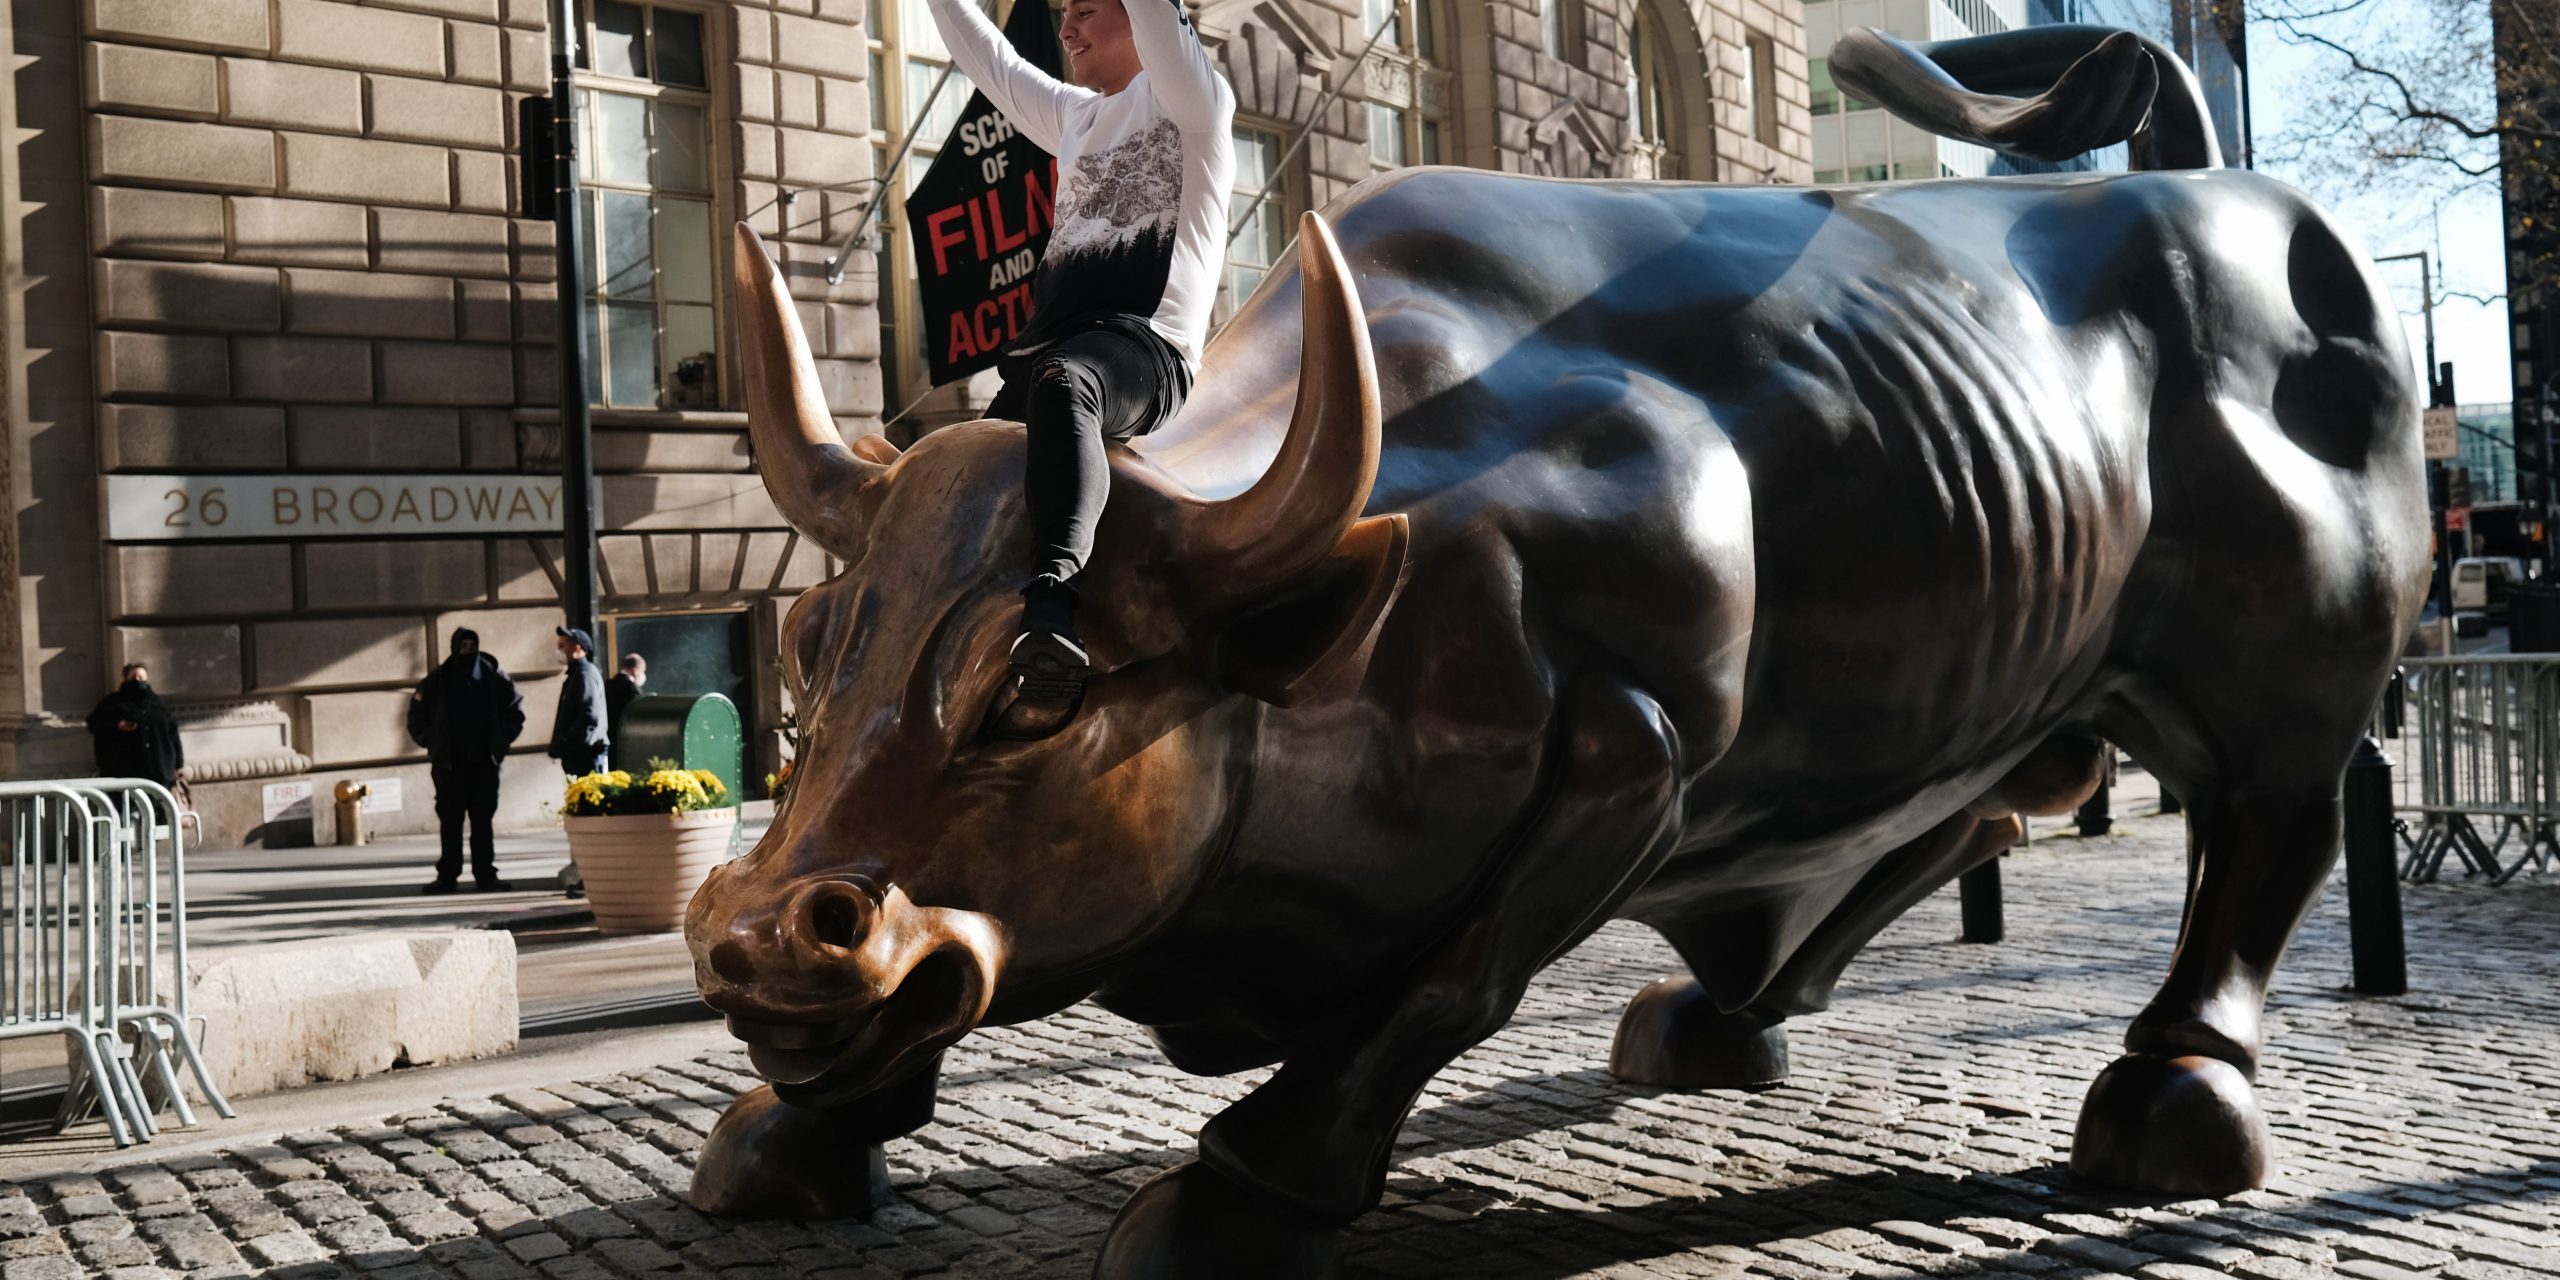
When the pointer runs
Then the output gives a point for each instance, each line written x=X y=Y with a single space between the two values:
x=980 y=217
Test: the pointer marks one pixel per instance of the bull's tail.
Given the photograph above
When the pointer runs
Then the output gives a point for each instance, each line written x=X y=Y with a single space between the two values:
x=2048 y=93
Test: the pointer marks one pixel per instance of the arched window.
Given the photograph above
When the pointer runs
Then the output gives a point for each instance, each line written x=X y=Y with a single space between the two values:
x=1408 y=90
x=1653 y=135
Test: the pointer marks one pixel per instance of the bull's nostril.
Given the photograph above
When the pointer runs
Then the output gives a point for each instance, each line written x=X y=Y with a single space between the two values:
x=835 y=920
x=730 y=961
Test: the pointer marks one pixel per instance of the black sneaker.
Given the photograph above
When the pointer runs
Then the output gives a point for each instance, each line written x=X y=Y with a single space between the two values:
x=493 y=886
x=438 y=888
x=1052 y=666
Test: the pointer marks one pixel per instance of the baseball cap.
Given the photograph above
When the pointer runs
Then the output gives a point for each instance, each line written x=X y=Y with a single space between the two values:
x=577 y=637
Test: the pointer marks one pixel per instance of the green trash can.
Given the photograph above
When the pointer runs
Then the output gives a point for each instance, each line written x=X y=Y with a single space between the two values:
x=697 y=731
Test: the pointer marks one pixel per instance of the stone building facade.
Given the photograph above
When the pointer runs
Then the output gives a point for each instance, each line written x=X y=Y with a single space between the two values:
x=279 y=351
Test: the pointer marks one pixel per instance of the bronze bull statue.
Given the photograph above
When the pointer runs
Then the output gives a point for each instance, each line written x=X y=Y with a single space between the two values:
x=1738 y=560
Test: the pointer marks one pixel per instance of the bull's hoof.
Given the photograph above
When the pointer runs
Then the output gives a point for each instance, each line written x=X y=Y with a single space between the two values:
x=1188 y=1222
x=2186 y=1127
x=1672 y=1035
x=769 y=1159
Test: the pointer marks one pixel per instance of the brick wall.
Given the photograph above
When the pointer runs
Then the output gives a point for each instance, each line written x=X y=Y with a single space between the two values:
x=305 y=259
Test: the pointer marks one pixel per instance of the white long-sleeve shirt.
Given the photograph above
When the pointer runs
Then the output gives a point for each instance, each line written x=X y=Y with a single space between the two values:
x=1143 y=175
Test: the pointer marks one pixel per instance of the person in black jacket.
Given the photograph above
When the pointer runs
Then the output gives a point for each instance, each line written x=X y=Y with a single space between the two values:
x=135 y=735
x=466 y=713
x=579 y=738
x=622 y=690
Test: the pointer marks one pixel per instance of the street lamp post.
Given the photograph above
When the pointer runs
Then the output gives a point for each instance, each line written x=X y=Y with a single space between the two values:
x=577 y=467
x=2444 y=536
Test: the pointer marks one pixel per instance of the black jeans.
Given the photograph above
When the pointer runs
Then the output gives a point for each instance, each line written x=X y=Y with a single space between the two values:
x=1087 y=388
x=467 y=790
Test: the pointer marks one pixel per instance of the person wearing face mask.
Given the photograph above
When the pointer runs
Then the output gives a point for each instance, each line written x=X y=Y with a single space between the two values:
x=466 y=714
x=135 y=734
x=1121 y=300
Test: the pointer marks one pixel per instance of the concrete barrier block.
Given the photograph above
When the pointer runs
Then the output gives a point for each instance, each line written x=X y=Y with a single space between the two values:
x=338 y=1008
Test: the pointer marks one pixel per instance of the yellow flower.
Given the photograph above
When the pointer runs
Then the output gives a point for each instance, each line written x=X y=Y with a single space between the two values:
x=710 y=781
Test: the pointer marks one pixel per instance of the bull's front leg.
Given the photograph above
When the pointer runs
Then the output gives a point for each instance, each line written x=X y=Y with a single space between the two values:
x=1283 y=1169
x=769 y=1158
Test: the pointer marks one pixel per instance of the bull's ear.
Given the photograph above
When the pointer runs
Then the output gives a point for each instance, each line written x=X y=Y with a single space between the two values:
x=1315 y=637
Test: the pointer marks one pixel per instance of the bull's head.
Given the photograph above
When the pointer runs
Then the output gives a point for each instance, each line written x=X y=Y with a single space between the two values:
x=938 y=836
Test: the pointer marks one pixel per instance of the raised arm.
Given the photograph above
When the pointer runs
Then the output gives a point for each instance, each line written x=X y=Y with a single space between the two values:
x=1187 y=85
x=1036 y=103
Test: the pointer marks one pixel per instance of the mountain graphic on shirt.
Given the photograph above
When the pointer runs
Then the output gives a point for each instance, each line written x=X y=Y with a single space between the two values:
x=1123 y=192
x=1112 y=250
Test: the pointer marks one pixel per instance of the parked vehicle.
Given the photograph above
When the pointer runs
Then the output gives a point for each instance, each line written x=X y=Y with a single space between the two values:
x=2483 y=583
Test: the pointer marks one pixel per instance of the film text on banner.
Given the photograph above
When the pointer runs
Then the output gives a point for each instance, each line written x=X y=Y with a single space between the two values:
x=979 y=219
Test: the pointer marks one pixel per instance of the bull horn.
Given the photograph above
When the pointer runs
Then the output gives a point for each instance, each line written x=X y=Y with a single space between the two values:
x=812 y=476
x=1315 y=488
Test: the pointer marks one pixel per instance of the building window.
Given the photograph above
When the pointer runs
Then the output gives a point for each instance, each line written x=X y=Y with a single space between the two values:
x=1388 y=13
x=1825 y=92
x=647 y=283
x=907 y=58
x=1652 y=101
x=1387 y=135
x=1551 y=27
x=1257 y=232
x=1408 y=91
x=1760 y=88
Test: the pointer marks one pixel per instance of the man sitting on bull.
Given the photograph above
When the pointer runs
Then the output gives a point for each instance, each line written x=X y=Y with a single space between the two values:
x=1120 y=306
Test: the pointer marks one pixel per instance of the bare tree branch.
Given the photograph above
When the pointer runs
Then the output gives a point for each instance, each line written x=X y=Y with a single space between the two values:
x=2409 y=108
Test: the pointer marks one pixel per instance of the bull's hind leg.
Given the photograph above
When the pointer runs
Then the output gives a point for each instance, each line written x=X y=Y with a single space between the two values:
x=1674 y=1035
x=2286 y=556
x=2252 y=723
x=1282 y=1170
x=767 y=1158
x=2177 y=1114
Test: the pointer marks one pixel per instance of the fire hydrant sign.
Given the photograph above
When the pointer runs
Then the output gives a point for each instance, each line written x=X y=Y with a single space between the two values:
x=167 y=508
x=2444 y=434
x=285 y=801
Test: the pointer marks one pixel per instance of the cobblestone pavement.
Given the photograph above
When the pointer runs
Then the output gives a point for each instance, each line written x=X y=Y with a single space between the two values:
x=1923 y=1134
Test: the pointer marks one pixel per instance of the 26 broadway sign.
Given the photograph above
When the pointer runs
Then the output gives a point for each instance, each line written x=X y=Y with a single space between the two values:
x=161 y=508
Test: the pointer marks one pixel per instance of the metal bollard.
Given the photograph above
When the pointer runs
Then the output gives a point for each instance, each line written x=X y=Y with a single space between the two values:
x=1978 y=900
x=2373 y=876
x=2094 y=818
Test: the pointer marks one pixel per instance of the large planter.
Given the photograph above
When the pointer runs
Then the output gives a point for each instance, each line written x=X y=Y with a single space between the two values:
x=641 y=869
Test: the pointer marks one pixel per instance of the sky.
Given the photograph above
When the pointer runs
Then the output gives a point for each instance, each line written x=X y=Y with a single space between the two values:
x=2468 y=240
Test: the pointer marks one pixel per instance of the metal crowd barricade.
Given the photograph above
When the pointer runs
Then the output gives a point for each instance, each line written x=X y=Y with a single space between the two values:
x=2480 y=762
x=84 y=924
